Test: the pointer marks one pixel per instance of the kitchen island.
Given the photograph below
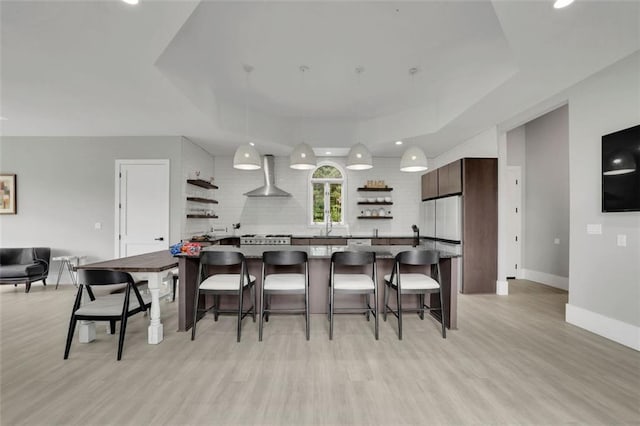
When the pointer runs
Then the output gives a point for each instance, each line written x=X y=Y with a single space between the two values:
x=319 y=260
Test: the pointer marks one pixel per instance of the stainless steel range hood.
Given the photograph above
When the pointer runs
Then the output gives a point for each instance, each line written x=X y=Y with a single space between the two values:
x=269 y=189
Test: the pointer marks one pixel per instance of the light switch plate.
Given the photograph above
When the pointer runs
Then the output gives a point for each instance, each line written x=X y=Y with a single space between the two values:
x=622 y=240
x=594 y=228
x=556 y=241
x=97 y=226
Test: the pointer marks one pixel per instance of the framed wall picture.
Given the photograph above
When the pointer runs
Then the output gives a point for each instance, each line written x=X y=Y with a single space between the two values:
x=7 y=194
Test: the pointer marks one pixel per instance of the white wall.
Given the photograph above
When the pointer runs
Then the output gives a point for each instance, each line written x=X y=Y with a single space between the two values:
x=516 y=147
x=195 y=159
x=604 y=286
x=483 y=145
x=546 y=193
x=67 y=184
x=289 y=215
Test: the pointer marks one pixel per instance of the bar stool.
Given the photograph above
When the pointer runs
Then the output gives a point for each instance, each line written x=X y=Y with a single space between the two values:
x=414 y=283
x=353 y=284
x=283 y=283
x=224 y=284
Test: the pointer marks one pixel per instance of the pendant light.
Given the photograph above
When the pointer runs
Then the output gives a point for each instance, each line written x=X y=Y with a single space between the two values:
x=302 y=157
x=413 y=160
x=246 y=156
x=619 y=163
x=359 y=157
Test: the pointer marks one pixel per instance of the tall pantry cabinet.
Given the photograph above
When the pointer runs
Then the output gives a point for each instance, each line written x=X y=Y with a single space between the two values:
x=476 y=180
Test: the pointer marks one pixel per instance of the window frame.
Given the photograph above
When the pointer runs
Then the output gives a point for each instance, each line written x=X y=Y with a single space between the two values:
x=343 y=193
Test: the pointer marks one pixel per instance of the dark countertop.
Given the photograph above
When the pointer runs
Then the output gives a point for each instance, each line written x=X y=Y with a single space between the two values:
x=356 y=237
x=319 y=252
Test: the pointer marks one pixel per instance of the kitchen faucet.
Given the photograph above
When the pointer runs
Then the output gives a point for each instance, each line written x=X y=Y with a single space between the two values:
x=328 y=226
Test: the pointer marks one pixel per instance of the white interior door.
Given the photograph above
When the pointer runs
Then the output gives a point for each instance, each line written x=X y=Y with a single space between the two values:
x=142 y=206
x=514 y=222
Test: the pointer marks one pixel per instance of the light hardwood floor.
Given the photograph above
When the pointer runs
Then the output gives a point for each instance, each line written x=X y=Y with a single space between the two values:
x=513 y=360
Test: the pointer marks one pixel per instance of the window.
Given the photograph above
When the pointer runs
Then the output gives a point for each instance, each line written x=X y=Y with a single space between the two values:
x=327 y=195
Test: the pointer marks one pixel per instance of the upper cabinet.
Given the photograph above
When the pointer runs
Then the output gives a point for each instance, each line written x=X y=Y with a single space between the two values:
x=450 y=179
x=430 y=185
x=447 y=180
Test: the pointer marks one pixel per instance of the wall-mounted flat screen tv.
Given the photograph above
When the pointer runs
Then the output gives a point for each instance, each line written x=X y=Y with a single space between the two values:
x=621 y=171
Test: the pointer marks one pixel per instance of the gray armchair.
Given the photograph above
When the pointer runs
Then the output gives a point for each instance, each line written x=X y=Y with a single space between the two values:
x=24 y=265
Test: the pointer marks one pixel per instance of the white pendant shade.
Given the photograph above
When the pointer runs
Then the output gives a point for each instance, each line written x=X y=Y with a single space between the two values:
x=302 y=158
x=619 y=163
x=359 y=158
x=559 y=4
x=413 y=160
x=246 y=158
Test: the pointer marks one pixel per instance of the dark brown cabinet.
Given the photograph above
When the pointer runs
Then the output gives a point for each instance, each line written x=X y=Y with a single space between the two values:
x=476 y=179
x=299 y=241
x=430 y=185
x=479 y=225
x=450 y=179
x=327 y=241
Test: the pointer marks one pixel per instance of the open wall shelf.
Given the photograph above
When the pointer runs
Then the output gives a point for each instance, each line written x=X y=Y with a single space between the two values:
x=202 y=183
x=202 y=200
x=367 y=189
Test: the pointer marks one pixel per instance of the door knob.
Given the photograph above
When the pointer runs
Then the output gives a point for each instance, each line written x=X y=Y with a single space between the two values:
x=159 y=239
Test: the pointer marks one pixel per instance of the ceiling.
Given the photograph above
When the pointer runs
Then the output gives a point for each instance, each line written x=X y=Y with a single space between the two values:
x=176 y=68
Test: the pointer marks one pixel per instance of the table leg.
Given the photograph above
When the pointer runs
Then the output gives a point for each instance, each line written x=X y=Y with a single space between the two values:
x=155 y=332
x=86 y=329
x=62 y=264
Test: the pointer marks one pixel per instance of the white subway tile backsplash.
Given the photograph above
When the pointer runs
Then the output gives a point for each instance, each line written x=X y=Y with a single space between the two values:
x=289 y=214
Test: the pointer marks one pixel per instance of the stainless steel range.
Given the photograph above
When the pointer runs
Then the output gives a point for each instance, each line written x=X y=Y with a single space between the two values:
x=269 y=239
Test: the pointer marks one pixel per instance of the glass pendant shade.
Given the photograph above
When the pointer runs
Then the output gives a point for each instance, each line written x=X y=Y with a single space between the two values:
x=619 y=163
x=302 y=158
x=413 y=160
x=246 y=158
x=359 y=158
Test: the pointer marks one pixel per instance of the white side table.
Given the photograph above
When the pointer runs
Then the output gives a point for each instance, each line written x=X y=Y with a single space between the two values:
x=67 y=262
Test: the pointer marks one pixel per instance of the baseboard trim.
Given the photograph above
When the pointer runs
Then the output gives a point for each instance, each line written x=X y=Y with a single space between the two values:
x=546 y=279
x=502 y=288
x=612 y=329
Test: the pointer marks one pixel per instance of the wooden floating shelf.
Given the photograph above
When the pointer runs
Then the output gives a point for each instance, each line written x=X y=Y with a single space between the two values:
x=200 y=216
x=375 y=217
x=365 y=189
x=202 y=183
x=383 y=203
x=201 y=200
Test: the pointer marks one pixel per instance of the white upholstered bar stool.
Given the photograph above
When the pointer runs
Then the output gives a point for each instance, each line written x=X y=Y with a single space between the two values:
x=224 y=283
x=414 y=283
x=353 y=283
x=277 y=283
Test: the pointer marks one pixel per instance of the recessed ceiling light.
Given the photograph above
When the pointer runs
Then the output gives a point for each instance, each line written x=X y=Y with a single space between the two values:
x=559 y=4
x=252 y=144
x=328 y=152
x=398 y=142
x=3 y=118
x=130 y=1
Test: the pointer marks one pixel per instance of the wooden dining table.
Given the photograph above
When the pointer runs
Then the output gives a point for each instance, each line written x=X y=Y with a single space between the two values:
x=155 y=268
